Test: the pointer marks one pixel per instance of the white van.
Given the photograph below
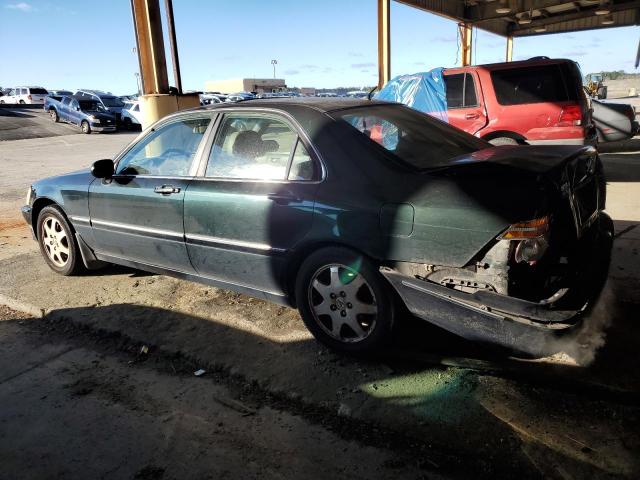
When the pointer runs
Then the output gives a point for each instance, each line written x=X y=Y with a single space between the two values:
x=25 y=95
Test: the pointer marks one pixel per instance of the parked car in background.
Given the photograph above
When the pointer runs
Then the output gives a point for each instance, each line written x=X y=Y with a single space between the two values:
x=60 y=93
x=508 y=245
x=538 y=101
x=131 y=116
x=614 y=121
x=110 y=102
x=25 y=95
x=87 y=113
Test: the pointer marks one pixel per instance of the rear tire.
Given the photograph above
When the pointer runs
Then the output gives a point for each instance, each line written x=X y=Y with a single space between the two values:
x=503 y=141
x=344 y=301
x=54 y=115
x=57 y=242
x=86 y=128
x=21 y=102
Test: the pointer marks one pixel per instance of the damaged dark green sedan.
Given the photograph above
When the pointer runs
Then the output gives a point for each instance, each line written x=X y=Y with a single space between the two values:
x=346 y=210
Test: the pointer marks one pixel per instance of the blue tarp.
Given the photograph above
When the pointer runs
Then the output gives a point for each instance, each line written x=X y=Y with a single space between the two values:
x=425 y=91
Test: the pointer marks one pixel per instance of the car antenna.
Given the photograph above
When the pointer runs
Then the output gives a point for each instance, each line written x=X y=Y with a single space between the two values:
x=371 y=92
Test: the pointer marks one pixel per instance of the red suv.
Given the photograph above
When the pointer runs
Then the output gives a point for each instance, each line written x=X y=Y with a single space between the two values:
x=537 y=101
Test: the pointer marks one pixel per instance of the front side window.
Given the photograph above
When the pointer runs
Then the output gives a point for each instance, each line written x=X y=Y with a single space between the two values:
x=409 y=136
x=168 y=150
x=66 y=101
x=252 y=146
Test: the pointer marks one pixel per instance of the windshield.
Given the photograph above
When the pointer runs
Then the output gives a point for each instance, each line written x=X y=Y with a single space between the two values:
x=91 y=106
x=410 y=136
x=112 y=102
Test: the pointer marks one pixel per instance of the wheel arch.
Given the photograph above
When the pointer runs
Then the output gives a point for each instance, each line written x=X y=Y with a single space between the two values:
x=301 y=253
x=505 y=133
x=37 y=207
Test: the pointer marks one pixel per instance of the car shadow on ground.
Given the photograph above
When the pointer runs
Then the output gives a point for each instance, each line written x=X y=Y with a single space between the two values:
x=5 y=112
x=468 y=415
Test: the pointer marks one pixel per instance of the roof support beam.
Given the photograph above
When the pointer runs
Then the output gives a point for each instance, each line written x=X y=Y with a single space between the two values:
x=509 y=55
x=384 y=42
x=466 y=42
x=148 y=28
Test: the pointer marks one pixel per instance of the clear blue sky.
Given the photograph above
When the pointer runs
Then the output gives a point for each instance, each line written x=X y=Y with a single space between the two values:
x=88 y=43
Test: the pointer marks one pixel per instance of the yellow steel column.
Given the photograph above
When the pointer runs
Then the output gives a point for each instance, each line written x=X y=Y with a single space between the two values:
x=148 y=26
x=155 y=102
x=509 y=48
x=384 y=42
x=466 y=42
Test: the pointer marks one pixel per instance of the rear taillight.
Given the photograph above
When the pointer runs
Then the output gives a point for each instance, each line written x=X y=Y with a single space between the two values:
x=530 y=229
x=29 y=97
x=570 y=116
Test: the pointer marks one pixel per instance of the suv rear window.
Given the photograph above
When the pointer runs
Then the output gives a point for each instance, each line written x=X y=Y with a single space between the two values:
x=411 y=137
x=546 y=83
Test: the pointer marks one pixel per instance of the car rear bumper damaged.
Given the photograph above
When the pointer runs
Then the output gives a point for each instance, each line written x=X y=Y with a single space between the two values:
x=519 y=325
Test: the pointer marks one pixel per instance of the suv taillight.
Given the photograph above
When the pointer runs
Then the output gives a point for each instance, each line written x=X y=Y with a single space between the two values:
x=570 y=116
x=29 y=97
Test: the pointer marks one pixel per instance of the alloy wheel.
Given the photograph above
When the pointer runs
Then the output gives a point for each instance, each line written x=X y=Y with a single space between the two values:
x=55 y=241
x=343 y=303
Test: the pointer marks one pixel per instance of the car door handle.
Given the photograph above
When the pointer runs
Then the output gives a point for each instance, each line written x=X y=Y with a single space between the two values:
x=166 y=189
x=283 y=198
x=472 y=116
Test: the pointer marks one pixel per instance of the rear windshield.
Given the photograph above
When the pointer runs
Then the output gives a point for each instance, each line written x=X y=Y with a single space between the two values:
x=38 y=91
x=411 y=137
x=546 y=83
x=112 y=102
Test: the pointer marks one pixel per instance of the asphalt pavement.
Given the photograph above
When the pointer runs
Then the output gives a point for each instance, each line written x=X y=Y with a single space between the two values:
x=458 y=409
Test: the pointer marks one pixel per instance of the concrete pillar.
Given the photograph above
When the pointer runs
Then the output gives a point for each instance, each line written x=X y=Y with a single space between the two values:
x=155 y=102
x=384 y=42
x=509 y=56
x=466 y=42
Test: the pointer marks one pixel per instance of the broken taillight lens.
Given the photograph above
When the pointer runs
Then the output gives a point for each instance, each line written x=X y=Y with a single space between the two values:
x=529 y=229
x=571 y=115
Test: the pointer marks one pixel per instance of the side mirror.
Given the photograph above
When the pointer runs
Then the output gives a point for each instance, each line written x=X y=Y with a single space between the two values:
x=103 y=168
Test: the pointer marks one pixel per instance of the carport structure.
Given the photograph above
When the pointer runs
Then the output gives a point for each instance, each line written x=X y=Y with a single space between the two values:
x=510 y=19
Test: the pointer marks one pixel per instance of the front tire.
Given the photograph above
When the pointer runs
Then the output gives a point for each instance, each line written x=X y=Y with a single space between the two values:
x=57 y=242
x=86 y=128
x=344 y=301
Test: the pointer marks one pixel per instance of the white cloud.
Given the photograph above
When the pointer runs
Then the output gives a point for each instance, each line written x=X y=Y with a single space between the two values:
x=22 y=6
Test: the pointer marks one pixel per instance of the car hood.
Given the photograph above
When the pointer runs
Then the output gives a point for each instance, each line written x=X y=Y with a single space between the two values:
x=100 y=115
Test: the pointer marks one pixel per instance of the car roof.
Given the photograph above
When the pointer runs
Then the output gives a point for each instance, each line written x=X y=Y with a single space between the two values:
x=325 y=104
x=519 y=63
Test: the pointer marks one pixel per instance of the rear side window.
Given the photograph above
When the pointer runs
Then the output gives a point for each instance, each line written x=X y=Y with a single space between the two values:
x=461 y=91
x=38 y=91
x=547 y=83
x=256 y=147
x=66 y=101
